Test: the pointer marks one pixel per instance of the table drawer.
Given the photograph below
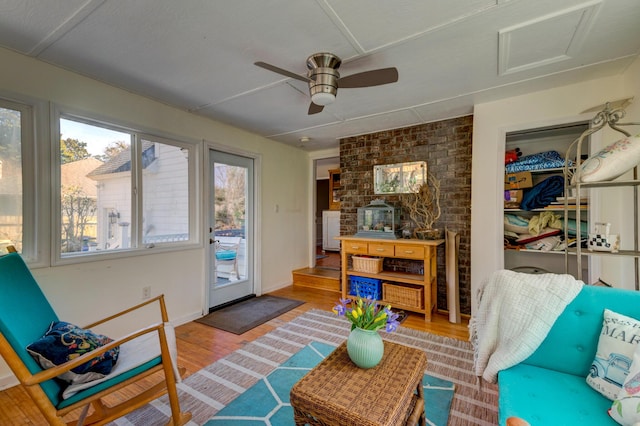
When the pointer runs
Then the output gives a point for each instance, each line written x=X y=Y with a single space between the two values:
x=409 y=252
x=381 y=249
x=355 y=247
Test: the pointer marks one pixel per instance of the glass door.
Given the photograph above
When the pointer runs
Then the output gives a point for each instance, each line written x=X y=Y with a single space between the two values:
x=231 y=228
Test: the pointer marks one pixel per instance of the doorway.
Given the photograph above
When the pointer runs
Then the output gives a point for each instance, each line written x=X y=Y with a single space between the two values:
x=231 y=213
x=327 y=222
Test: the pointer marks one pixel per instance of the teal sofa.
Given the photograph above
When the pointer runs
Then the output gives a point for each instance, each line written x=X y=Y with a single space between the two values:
x=549 y=387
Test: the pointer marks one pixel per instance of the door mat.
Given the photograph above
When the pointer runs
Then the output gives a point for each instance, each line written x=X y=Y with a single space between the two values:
x=242 y=317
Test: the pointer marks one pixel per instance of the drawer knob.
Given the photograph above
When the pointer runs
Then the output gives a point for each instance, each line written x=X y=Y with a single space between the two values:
x=379 y=249
x=355 y=247
x=409 y=251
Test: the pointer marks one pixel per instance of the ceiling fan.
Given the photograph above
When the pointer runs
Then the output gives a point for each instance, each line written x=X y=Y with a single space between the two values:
x=324 y=79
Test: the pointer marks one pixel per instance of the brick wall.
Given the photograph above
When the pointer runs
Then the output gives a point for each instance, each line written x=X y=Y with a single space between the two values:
x=446 y=147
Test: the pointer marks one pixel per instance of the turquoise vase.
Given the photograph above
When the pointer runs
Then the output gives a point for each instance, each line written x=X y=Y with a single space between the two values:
x=365 y=347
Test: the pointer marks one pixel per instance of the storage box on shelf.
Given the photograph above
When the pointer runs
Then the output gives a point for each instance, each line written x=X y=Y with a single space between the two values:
x=403 y=295
x=520 y=180
x=367 y=264
x=368 y=288
x=417 y=287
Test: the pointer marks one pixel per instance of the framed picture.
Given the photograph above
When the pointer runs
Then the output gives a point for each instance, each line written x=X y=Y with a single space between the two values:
x=399 y=178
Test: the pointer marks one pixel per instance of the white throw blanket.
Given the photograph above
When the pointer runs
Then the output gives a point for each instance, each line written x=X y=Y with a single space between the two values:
x=515 y=313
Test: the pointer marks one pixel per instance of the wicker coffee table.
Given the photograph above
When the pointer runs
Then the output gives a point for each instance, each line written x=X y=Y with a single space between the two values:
x=337 y=392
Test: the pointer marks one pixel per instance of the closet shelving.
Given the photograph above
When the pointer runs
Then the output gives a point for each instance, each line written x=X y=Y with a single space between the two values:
x=557 y=137
x=610 y=117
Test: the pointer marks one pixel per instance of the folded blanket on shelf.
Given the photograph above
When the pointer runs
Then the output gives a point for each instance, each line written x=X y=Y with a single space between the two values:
x=545 y=219
x=543 y=194
x=539 y=161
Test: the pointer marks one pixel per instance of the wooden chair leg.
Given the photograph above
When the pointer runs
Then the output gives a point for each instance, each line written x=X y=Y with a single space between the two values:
x=178 y=418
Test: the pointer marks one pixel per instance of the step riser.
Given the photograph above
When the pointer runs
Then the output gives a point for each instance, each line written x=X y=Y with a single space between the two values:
x=313 y=281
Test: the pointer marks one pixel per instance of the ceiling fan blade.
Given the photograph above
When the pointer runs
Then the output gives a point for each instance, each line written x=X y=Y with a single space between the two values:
x=277 y=70
x=369 y=78
x=314 y=109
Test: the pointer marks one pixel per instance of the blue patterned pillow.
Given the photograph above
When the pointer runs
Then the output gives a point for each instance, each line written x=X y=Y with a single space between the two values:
x=64 y=342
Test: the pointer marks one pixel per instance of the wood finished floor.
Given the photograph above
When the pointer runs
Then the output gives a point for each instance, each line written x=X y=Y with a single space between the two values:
x=200 y=345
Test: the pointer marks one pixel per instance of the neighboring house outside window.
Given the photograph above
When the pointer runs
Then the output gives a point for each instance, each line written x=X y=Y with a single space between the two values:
x=78 y=204
x=122 y=214
x=165 y=197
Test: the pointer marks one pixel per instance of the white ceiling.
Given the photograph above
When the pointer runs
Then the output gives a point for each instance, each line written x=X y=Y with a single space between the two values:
x=198 y=55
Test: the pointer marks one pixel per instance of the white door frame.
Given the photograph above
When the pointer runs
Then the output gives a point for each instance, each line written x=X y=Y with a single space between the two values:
x=313 y=156
x=257 y=215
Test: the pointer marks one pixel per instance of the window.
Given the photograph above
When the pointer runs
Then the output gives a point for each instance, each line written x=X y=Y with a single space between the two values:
x=16 y=143
x=121 y=190
x=165 y=200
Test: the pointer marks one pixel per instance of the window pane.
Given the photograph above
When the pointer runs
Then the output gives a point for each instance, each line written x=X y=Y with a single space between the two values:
x=165 y=198
x=10 y=180
x=95 y=188
x=230 y=187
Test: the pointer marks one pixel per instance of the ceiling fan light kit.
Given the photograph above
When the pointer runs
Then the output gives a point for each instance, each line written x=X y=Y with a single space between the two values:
x=324 y=79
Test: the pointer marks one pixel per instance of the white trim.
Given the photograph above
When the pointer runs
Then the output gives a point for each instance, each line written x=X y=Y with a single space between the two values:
x=33 y=113
x=58 y=111
x=311 y=223
x=255 y=236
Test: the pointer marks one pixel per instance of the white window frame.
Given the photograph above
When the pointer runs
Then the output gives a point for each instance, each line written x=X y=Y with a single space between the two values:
x=32 y=194
x=137 y=246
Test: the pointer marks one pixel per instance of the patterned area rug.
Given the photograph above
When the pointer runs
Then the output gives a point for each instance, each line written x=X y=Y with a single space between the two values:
x=209 y=390
x=267 y=402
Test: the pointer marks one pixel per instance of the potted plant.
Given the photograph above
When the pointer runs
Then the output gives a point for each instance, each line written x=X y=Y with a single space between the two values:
x=364 y=345
x=423 y=207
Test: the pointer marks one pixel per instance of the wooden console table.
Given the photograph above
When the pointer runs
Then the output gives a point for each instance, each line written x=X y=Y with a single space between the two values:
x=424 y=251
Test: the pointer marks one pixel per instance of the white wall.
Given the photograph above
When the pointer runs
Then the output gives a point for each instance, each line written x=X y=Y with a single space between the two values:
x=492 y=121
x=83 y=292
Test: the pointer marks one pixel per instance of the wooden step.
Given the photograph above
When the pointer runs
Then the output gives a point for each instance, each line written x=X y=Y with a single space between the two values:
x=320 y=278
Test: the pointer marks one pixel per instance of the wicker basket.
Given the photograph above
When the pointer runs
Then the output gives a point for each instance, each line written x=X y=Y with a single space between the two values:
x=372 y=265
x=406 y=295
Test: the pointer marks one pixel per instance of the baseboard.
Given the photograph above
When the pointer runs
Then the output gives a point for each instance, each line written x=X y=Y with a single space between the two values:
x=8 y=381
x=185 y=319
x=446 y=312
